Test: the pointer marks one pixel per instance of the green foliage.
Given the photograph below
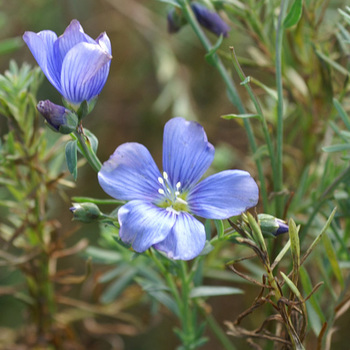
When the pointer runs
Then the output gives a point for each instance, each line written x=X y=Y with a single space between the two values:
x=294 y=14
x=296 y=104
x=72 y=158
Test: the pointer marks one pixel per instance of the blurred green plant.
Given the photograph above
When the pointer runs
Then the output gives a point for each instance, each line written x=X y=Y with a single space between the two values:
x=32 y=245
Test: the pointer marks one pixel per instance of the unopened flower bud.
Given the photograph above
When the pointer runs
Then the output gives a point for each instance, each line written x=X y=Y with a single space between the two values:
x=271 y=226
x=57 y=117
x=174 y=21
x=210 y=20
x=85 y=212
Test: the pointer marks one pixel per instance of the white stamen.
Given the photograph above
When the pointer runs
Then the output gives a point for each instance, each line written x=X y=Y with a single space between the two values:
x=161 y=191
x=178 y=185
x=169 y=190
x=160 y=180
x=180 y=200
x=165 y=175
x=177 y=193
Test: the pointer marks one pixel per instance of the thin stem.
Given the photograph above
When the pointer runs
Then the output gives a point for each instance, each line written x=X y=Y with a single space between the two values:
x=258 y=109
x=88 y=152
x=278 y=178
x=187 y=319
x=169 y=278
x=232 y=92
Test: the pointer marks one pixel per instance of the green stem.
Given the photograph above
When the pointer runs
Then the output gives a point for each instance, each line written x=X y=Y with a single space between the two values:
x=258 y=109
x=186 y=315
x=278 y=173
x=169 y=279
x=188 y=334
x=232 y=92
x=88 y=152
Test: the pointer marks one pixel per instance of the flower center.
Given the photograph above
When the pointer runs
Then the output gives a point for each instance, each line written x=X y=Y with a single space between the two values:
x=174 y=199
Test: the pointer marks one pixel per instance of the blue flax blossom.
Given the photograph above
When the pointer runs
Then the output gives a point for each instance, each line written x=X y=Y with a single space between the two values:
x=161 y=206
x=74 y=63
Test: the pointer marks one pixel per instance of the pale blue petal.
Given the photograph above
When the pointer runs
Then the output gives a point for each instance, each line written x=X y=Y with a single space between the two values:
x=104 y=42
x=80 y=76
x=143 y=224
x=130 y=173
x=186 y=239
x=187 y=154
x=100 y=79
x=223 y=195
x=41 y=46
x=73 y=35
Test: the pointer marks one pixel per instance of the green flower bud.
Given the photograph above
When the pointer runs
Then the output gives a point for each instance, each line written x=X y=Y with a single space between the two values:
x=271 y=226
x=86 y=212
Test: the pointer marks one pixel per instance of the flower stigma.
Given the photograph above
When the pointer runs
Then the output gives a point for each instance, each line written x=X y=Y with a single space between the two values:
x=173 y=200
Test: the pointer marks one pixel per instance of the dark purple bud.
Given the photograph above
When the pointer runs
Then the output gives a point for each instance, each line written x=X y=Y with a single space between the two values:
x=282 y=227
x=210 y=20
x=57 y=117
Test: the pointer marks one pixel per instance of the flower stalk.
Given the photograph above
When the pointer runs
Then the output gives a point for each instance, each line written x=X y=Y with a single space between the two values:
x=87 y=150
x=232 y=92
x=278 y=180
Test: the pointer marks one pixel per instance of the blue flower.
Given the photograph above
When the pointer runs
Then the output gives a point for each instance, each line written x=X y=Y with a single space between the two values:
x=75 y=64
x=210 y=20
x=161 y=206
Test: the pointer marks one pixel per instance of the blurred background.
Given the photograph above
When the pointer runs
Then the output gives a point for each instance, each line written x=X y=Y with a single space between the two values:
x=154 y=76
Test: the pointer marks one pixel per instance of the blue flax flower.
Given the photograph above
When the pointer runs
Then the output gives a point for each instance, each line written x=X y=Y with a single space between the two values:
x=74 y=63
x=161 y=206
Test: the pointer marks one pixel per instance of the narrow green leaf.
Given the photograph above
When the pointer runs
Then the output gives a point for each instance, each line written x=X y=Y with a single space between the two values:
x=345 y=15
x=337 y=148
x=116 y=288
x=104 y=255
x=211 y=56
x=240 y=116
x=219 y=227
x=166 y=300
x=9 y=45
x=294 y=14
x=171 y=2
x=258 y=236
x=269 y=91
x=210 y=291
x=334 y=64
x=343 y=115
x=332 y=257
x=318 y=238
x=313 y=319
x=307 y=286
x=295 y=248
x=112 y=274
x=97 y=201
x=71 y=158
x=281 y=254
x=292 y=286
